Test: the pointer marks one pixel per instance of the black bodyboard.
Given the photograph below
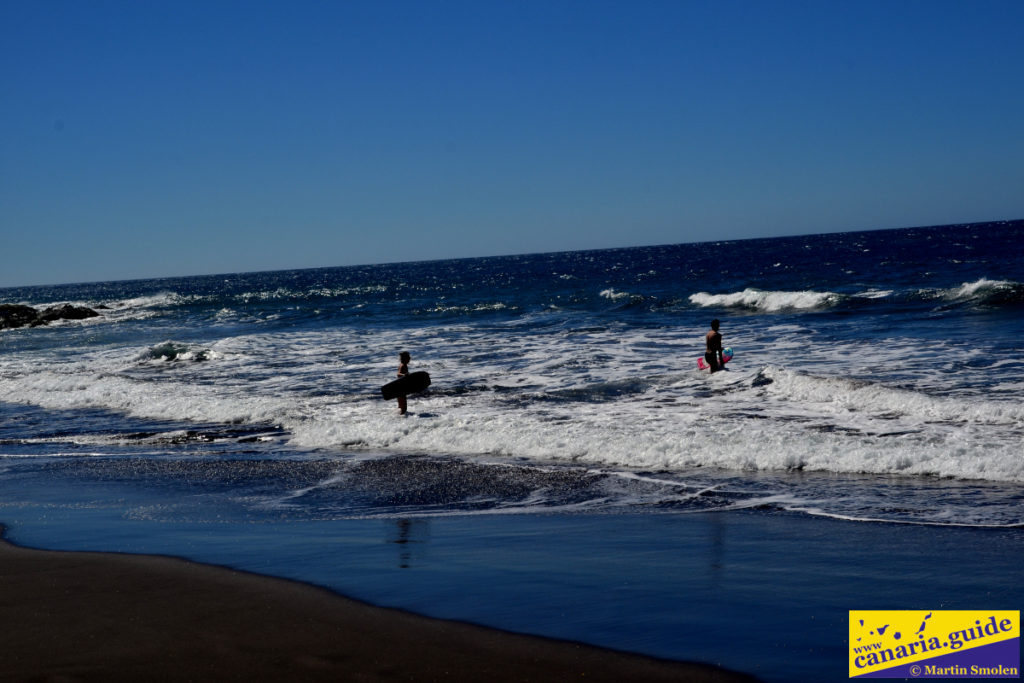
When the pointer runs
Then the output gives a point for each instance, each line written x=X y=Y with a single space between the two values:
x=403 y=386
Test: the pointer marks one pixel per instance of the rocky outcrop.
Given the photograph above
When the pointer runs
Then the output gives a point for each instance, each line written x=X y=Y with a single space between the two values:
x=12 y=315
x=16 y=315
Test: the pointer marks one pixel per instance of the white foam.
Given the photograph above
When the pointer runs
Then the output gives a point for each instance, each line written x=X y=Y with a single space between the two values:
x=838 y=395
x=875 y=294
x=768 y=301
x=610 y=397
x=615 y=295
x=968 y=291
x=971 y=290
x=475 y=308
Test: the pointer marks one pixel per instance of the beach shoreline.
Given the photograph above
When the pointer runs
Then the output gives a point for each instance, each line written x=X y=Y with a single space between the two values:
x=88 y=616
x=757 y=590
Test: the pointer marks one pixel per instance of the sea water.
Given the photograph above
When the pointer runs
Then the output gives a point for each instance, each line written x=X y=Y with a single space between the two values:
x=877 y=377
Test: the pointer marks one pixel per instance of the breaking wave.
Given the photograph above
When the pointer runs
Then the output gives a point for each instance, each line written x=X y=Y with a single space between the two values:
x=768 y=302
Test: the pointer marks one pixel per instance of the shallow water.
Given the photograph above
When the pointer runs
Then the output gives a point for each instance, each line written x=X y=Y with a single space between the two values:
x=760 y=591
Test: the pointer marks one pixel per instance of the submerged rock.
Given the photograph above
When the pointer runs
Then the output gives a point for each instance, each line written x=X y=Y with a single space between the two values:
x=172 y=351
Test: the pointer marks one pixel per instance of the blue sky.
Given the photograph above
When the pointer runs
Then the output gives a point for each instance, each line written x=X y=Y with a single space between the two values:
x=148 y=139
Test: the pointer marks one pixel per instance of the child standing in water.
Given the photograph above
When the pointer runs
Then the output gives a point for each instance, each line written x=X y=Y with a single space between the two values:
x=403 y=370
x=713 y=347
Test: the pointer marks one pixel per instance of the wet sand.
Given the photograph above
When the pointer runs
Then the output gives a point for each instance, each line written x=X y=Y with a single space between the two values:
x=82 y=616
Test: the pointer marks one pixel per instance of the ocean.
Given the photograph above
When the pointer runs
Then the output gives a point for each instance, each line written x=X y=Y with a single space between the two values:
x=877 y=380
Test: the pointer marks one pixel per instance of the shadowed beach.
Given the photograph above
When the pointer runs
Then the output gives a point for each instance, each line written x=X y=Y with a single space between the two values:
x=79 y=616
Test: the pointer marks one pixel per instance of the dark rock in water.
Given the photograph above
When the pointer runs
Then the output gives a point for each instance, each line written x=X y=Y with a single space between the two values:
x=65 y=312
x=16 y=315
x=172 y=351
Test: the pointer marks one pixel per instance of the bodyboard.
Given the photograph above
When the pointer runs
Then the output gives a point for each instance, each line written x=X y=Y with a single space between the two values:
x=403 y=386
x=726 y=357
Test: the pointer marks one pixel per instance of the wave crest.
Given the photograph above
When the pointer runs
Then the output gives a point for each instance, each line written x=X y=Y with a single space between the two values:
x=985 y=291
x=768 y=301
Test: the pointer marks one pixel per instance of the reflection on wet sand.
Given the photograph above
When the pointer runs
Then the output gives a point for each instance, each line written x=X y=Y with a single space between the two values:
x=408 y=534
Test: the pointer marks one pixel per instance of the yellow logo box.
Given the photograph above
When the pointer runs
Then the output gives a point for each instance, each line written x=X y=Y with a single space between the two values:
x=911 y=642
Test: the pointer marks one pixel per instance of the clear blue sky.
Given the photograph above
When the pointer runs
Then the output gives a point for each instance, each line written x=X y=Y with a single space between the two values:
x=146 y=139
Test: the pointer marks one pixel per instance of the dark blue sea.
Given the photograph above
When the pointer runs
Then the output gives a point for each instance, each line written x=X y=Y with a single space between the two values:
x=877 y=380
